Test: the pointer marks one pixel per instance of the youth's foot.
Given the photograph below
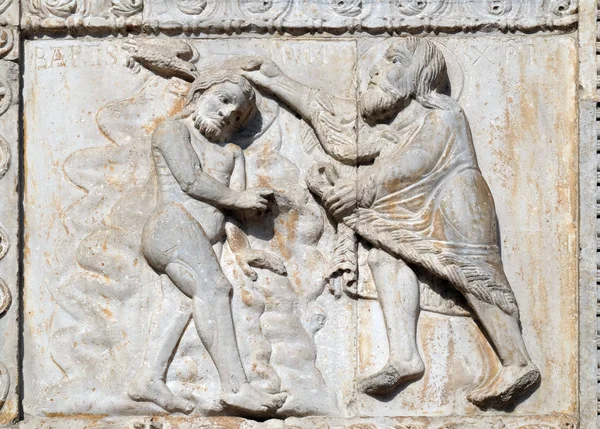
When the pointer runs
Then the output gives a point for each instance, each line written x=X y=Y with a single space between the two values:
x=253 y=402
x=391 y=376
x=156 y=391
x=510 y=383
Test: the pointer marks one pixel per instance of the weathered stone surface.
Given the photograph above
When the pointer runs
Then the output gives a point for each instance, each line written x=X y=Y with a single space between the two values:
x=299 y=214
x=123 y=293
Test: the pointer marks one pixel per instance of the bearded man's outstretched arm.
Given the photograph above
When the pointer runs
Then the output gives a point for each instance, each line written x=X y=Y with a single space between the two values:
x=332 y=118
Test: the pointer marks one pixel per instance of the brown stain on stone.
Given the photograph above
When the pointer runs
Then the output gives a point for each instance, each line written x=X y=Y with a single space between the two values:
x=264 y=182
x=9 y=413
x=246 y=297
x=106 y=311
x=153 y=124
x=26 y=249
x=291 y=225
x=176 y=108
x=280 y=241
x=79 y=416
x=365 y=345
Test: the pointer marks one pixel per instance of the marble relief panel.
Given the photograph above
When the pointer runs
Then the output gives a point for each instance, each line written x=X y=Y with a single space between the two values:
x=283 y=227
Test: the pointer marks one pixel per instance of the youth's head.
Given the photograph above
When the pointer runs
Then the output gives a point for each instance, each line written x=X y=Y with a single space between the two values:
x=220 y=104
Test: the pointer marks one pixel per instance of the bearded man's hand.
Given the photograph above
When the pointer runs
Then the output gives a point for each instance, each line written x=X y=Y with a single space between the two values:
x=340 y=200
x=260 y=71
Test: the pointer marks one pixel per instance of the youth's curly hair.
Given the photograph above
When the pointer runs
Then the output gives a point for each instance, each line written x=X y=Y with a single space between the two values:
x=209 y=77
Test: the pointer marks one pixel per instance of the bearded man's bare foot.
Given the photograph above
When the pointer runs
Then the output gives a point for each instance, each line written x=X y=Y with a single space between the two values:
x=152 y=390
x=251 y=401
x=483 y=386
x=511 y=382
x=394 y=373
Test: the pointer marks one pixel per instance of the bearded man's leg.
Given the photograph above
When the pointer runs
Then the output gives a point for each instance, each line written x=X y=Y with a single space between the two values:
x=398 y=290
x=518 y=374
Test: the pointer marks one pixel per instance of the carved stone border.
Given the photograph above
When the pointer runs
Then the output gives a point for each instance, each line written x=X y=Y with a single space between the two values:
x=589 y=249
x=10 y=213
x=126 y=16
x=295 y=17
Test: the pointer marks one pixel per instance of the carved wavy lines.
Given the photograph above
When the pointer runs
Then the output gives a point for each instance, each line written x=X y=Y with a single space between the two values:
x=4 y=243
x=126 y=7
x=300 y=16
x=347 y=7
x=4 y=4
x=83 y=8
x=4 y=158
x=58 y=8
x=191 y=7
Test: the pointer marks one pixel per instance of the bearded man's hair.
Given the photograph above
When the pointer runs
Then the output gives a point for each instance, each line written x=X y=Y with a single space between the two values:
x=430 y=81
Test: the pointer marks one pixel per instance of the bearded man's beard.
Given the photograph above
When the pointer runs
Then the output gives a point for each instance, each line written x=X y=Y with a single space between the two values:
x=209 y=128
x=381 y=103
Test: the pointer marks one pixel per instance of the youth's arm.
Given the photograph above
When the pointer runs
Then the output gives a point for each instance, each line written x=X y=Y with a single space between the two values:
x=238 y=175
x=173 y=141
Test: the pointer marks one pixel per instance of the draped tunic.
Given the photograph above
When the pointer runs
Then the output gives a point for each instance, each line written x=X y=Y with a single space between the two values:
x=424 y=199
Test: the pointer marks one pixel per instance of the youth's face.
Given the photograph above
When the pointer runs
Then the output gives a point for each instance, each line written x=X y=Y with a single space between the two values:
x=220 y=110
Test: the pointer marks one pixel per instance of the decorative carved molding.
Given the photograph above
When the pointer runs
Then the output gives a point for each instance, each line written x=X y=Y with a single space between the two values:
x=126 y=7
x=297 y=17
x=4 y=164
x=9 y=229
x=4 y=242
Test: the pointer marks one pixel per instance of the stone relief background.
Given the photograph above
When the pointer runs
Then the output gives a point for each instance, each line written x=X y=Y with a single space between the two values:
x=89 y=297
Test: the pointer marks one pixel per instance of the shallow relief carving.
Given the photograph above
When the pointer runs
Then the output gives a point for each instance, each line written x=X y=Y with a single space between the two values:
x=233 y=232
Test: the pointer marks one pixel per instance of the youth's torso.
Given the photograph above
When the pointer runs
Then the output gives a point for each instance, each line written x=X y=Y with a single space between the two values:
x=216 y=162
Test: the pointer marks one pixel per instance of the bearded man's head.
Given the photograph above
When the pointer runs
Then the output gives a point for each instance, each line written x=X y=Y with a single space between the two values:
x=410 y=68
x=220 y=104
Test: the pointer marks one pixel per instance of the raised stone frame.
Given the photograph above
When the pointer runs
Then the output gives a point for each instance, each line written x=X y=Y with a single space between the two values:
x=42 y=20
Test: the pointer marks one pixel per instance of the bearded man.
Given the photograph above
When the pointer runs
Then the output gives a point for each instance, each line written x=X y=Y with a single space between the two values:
x=200 y=174
x=420 y=201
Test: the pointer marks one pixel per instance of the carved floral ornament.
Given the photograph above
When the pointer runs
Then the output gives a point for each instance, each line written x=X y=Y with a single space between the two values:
x=383 y=16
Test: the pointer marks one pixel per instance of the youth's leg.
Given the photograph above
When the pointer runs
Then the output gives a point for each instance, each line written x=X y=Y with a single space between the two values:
x=195 y=269
x=166 y=328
